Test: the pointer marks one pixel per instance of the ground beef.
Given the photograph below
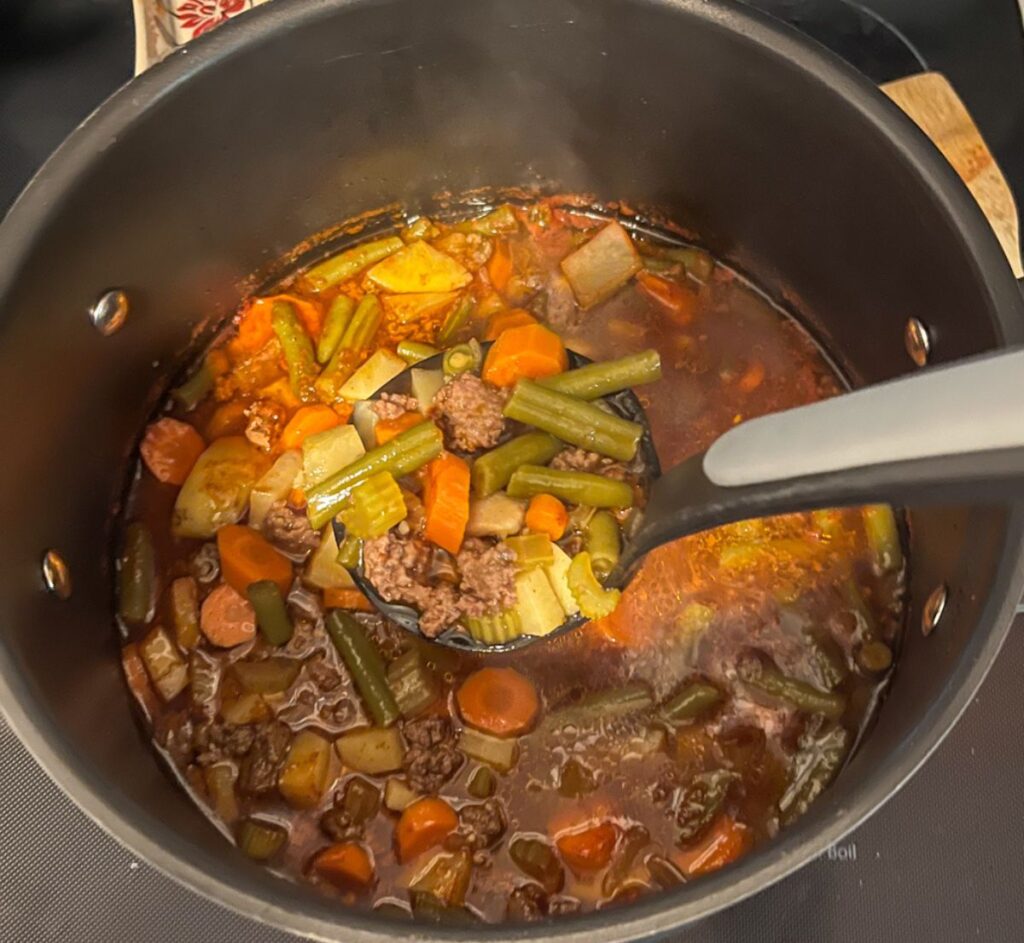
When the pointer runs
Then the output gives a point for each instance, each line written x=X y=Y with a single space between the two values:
x=469 y=413
x=487 y=577
x=324 y=675
x=576 y=459
x=266 y=420
x=481 y=824
x=174 y=733
x=215 y=742
x=390 y=406
x=560 y=310
x=258 y=775
x=290 y=529
x=205 y=564
x=527 y=902
x=432 y=758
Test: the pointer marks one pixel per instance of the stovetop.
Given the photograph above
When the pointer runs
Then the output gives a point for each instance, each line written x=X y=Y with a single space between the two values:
x=941 y=861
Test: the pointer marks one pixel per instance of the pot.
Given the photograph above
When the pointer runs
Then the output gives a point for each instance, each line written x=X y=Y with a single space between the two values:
x=228 y=154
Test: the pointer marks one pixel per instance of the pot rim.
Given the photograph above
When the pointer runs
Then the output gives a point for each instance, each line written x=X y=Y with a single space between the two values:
x=657 y=915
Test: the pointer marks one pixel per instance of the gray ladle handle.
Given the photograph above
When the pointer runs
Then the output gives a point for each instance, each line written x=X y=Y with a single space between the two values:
x=948 y=434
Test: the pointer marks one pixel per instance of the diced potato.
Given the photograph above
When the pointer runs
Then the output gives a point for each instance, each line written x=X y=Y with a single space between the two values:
x=324 y=570
x=419 y=267
x=167 y=669
x=328 y=452
x=600 y=267
x=497 y=515
x=306 y=769
x=365 y=421
x=500 y=753
x=382 y=367
x=536 y=602
x=557 y=573
x=373 y=751
x=280 y=391
x=246 y=708
x=274 y=486
x=217 y=489
x=425 y=384
x=418 y=306
x=398 y=794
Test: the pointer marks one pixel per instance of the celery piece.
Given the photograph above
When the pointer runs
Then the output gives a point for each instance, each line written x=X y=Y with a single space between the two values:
x=374 y=507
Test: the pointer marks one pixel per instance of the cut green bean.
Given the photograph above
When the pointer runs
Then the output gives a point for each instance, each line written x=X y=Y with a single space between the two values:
x=818 y=759
x=345 y=265
x=271 y=612
x=600 y=706
x=335 y=375
x=297 y=348
x=573 y=420
x=195 y=389
x=537 y=859
x=404 y=454
x=664 y=872
x=455 y=321
x=804 y=697
x=412 y=352
x=421 y=228
x=412 y=682
x=461 y=358
x=492 y=470
x=137 y=575
x=498 y=221
x=260 y=840
x=601 y=379
x=694 y=700
x=576 y=779
x=482 y=784
x=883 y=536
x=350 y=551
x=874 y=657
x=602 y=539
x=697 y=262
x=335 y=323
x=570 y=486
x=365 y=665
x=363 y=325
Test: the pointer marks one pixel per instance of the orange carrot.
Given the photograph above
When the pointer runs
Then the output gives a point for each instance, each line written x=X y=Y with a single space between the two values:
x=503 y=320
x=588 y=849
x=346 y=598
x=528 y=351
x=297 y=498
x=752 y=377
x=679 y=301
x=425 y=823
x=217 y=362
x=387 y=429
x=726 y=841
x=307 y=421
x=247 y=557
x=446 y=501
x=254 y=329
x=227 y=419
x=138 y=680
x=547 y=515
x=346 y=865
x=500 y=701
x=499 y=266
x=227 y=618
x=170 y=449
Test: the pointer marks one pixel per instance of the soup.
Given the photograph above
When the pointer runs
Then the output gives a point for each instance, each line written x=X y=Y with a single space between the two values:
x=704 y=709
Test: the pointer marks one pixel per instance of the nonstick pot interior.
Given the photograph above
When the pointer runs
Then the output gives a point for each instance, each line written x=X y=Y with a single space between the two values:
x=299 y=115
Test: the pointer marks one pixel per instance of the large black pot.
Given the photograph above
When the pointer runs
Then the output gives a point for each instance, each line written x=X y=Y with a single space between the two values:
x=297 y=116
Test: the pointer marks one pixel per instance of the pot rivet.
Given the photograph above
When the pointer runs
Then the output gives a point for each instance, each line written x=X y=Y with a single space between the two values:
x=918 y=343
x=934 y=606
x=109 y=311
x=56 y=575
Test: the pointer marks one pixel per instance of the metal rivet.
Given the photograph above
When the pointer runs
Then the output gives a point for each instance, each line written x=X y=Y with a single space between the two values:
x=934 y=606
x=56 y=575
x=918 y=343
x=109 y=311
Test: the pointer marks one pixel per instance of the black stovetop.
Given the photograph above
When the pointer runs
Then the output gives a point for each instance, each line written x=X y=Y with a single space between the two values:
x=941 y=862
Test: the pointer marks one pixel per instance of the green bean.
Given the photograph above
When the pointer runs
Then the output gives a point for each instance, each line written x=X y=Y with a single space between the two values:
x=461 y=358
x=602 y=705
x=664 y=872
x=421 y=228
x=537 y=859
x=364 y=664
x=335 y=375
x=349 y=552
x=601 y=539
x=338 y=316
x=827 y=658
x=137 y=575
x=482 y=784
x=195 y=389
x=351 y=262
x=297 y=348
x=404 y=454
x=412 y=352
x=697 y=262
x=883 y=536
x=573 y=420
x=271 y=614
x=634 y=840
x=576 y=780
x=570 y=486
x=815 y=765
x=804 y=697
x=260 y=840
x=456 y=319
x=690 y=703
x=363 y=325
x=414 y=685
x=498 y=221
x=701 y=801
x=492 y=470
x=600 y=379
x=874 y=657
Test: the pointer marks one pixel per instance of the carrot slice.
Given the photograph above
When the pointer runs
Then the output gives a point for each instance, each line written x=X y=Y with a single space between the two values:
x=679 y=301
x=446 y=501
x=307 y=421
x=227 y=618
x=547 y=515
x=247 y=557
x=425 y=823
x=528 y=351
x=346 y=598
x=500 y=701
x=170 y=449
x=499 y=265
x=387 y=429
x=726 y=841
x=588 y=849
x=503 y=320
x=255 y=328
x=138 y=680
x=346 y=865
x=752 y=377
